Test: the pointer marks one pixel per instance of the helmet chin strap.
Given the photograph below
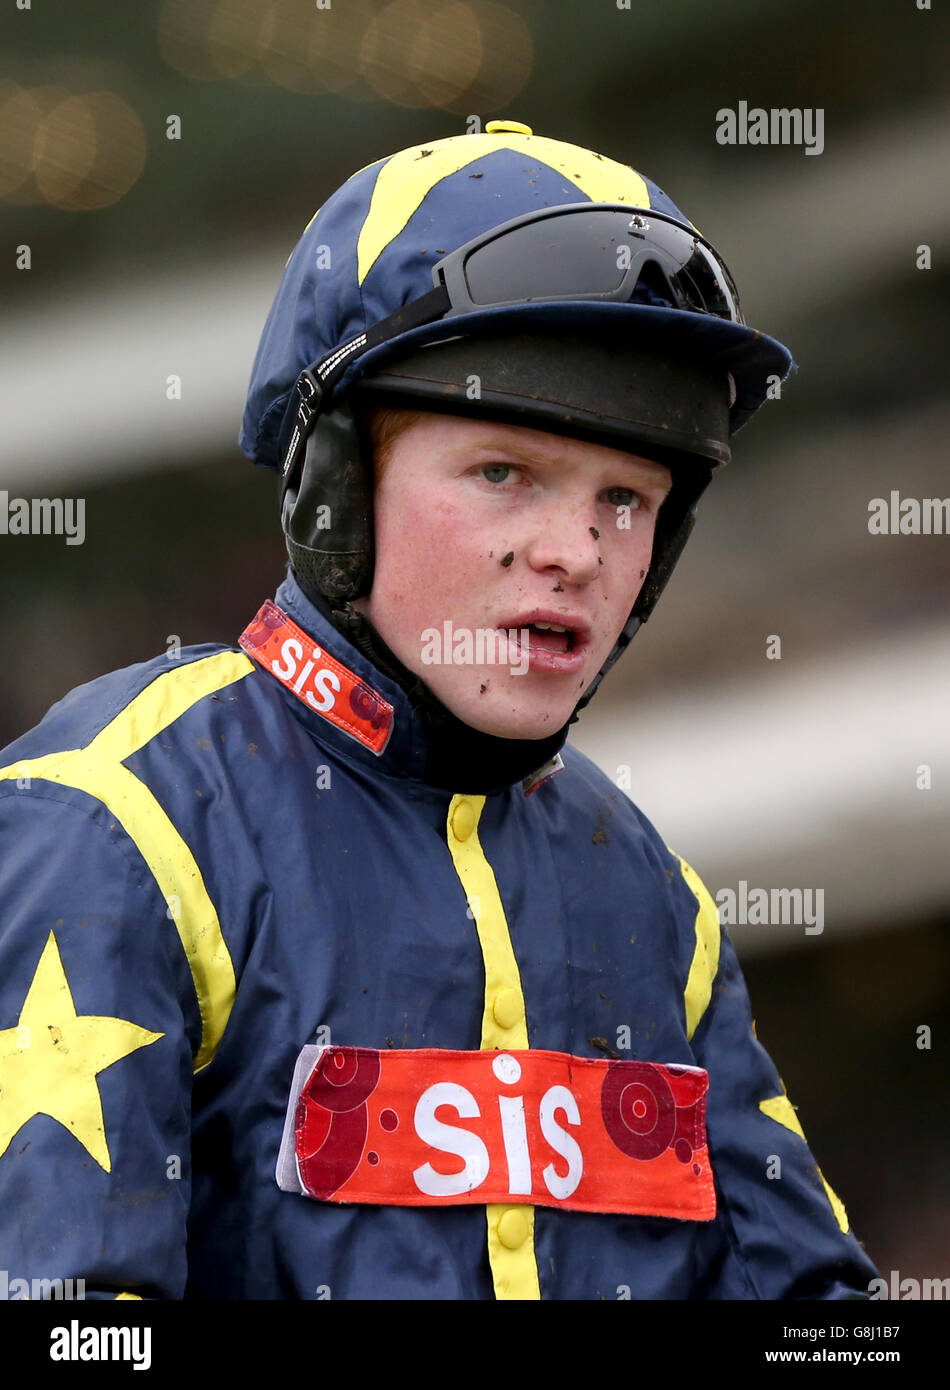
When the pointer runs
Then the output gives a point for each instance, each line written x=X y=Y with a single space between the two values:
x=630 y=629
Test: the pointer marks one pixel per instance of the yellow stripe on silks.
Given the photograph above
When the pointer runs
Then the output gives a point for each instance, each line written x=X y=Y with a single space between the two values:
x=408 y=176
x=511 y=1254
x=705 y=962
x=136 y=1296
x=98 y=770
x=780 y=1108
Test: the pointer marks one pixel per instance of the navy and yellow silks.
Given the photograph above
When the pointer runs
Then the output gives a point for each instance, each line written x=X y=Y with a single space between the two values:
x=201 y=874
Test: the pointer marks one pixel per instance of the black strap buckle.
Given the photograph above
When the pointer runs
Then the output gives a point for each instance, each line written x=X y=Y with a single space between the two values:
x=310 y=391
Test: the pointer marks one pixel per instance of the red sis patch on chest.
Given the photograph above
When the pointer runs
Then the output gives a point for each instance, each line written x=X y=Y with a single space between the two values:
x=434 y=1127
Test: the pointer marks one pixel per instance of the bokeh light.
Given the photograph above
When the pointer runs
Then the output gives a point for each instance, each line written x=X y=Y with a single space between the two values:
x=316 y=51
x=88 y=151
x=212 y=39
x=21 y=111
x=235 y=36
x=507 y=63
x=461 y=55
x=416 y=54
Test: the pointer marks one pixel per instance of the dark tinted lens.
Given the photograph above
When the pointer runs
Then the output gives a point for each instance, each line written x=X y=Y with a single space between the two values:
x=554 y=258
x=702 y=284
x=597 y=253
x=701 y=281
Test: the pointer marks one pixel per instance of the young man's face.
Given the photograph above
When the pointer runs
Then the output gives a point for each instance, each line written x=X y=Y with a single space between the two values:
x=492 y=527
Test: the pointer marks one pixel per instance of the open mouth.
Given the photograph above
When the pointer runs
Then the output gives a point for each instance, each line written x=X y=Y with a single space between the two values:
x=553 y=641
x=550 y=638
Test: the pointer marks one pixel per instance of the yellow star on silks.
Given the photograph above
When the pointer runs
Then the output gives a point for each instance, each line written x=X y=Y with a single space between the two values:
x=49 y=1061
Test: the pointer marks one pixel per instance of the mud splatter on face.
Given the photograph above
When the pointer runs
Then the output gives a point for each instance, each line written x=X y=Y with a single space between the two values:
x=594 y=532
x=508 y=558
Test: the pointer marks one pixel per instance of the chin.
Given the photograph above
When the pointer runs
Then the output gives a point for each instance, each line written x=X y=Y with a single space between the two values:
x=528 y=725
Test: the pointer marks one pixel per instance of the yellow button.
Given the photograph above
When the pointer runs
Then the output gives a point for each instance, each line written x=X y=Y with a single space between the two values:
x=513 y=1228
x=463 y=820
x=501 y=127
x=506 y=1008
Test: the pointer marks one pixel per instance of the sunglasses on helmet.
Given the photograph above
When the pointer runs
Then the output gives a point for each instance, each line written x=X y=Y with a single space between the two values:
x=594 y=252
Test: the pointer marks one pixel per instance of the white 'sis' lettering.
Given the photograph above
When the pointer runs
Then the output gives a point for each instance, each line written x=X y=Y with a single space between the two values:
x=286 y=669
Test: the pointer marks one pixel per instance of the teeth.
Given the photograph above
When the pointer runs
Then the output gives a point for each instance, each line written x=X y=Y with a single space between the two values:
x=549 y=627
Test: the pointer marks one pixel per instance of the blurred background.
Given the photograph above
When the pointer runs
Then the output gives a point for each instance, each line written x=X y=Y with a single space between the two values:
x=129 y=257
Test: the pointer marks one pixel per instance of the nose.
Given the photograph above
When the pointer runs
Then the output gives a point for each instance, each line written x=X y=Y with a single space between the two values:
x=564 y=540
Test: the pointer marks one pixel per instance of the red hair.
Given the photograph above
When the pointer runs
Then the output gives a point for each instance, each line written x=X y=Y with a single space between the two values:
x=383 y=427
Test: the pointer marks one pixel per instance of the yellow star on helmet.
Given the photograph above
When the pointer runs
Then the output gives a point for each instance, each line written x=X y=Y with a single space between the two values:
x=50 y=1060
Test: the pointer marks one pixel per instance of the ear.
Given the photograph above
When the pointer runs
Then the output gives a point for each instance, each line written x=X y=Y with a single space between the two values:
x=327 y=511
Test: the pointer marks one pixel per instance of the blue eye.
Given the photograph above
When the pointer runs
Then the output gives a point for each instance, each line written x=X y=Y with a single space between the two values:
x=627 y=498
x=495 y=468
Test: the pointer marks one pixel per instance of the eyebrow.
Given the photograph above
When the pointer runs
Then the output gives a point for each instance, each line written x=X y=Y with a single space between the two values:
x=656 y=472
